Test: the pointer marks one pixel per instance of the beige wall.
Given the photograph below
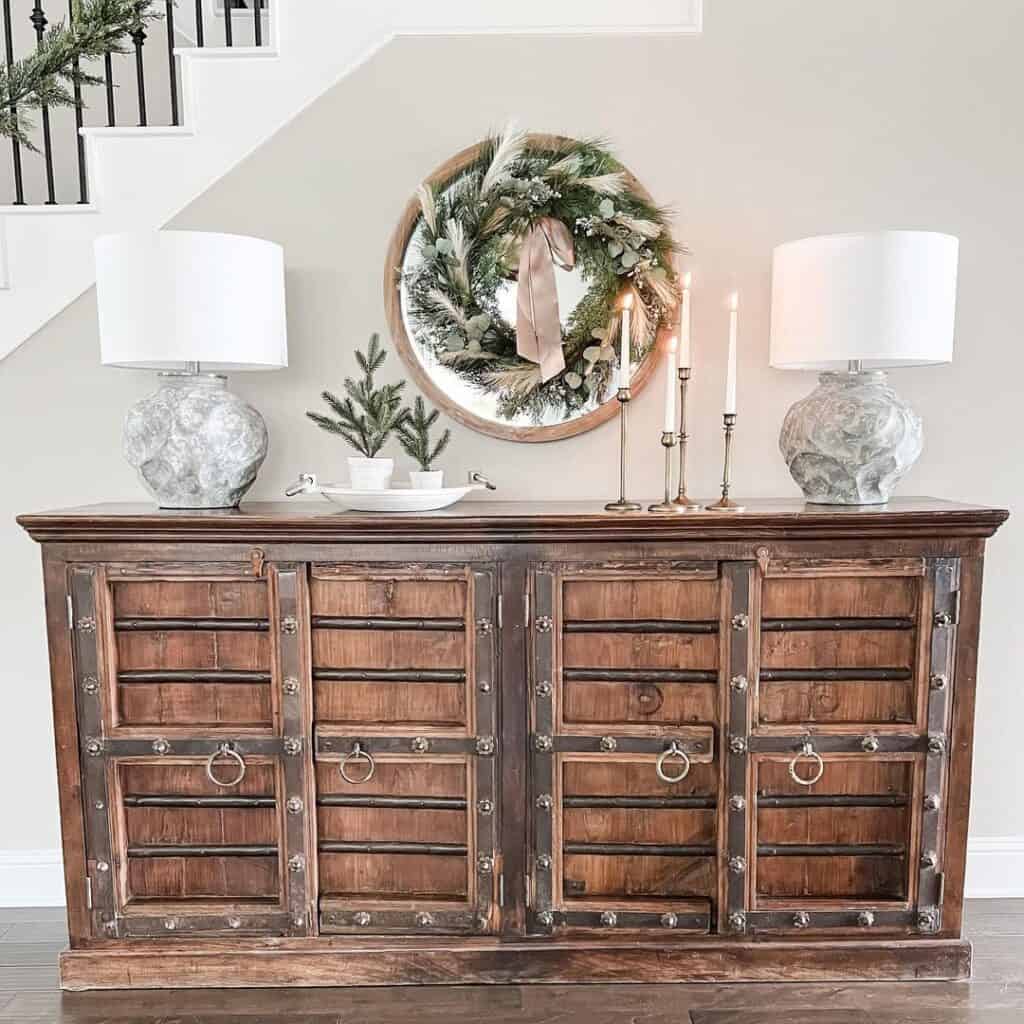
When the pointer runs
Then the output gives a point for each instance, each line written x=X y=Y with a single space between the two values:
x=786 y=118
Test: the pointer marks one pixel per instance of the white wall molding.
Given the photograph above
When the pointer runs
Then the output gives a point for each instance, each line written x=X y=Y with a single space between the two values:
x=33 y=878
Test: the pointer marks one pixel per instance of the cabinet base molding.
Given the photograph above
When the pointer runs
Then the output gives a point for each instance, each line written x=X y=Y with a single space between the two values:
x=310 y=964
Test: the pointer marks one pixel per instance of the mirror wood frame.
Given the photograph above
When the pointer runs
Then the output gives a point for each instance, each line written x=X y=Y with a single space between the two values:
x=395 y=260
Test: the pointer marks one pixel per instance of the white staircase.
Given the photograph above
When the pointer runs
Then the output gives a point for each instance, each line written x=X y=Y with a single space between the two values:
x=139 y=178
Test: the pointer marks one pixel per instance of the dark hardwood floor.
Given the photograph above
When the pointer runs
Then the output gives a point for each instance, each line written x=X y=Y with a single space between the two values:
x=31 y=938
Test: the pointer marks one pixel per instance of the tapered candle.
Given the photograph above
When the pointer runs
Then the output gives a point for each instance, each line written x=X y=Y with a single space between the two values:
x=730 y=373
x=624 y=354
x=685 y=351
x=671 y=386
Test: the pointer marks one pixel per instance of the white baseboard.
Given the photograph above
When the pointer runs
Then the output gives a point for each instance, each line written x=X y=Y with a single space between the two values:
x=34 y=878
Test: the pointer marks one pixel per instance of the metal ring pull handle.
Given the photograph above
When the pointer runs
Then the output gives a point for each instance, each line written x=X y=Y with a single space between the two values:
x=675 y=750
x=227 y=751
x=354 y=756
x=808 y=751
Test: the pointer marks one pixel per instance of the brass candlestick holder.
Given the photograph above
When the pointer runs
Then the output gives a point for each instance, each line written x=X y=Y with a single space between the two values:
x=725 y=503
x=623 y=395
x=668 y=440
x=682 y=501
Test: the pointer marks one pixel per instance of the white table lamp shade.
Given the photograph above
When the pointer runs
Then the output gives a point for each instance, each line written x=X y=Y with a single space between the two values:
x=170 y=298
x=886 y=298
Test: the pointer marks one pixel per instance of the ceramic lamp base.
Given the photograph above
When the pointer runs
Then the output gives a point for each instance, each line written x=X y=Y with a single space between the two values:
x=850 y=441
x=194 y=443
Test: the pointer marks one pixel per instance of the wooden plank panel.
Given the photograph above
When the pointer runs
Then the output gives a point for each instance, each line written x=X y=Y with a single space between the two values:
x=842 y=649
x=389 y=824
x=203 y=877
x=842 y=825
x=393 y=876
x=199 y=704
x=586 y=876
x=174 y=826
x=633 y=778
x=685 y=600
x=863 y=878
x=397 y=777
x=167 y=778
x=194 y=599
x=617 y=825
x=195 y=650
x=426 y=599
x=839 y=597
x=842 y=776
x=873 y=701
x=399 y=648
x=387 y=703
x=637 y=651
x=636 y=703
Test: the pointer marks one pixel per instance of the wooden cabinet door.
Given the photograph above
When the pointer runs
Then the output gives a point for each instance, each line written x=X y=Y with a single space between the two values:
x=624 y=708
x=193 y=712
x=406 y=702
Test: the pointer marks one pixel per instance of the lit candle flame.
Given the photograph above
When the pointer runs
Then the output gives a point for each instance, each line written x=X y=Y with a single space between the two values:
x=627 y=300
x=686 y=279
x=734 y=301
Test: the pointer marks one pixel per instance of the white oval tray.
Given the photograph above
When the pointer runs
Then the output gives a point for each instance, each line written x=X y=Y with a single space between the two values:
x=396 y=499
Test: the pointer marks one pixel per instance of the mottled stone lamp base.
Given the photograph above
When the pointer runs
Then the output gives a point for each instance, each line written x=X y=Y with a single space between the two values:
x=194 y=443
x=851 y=441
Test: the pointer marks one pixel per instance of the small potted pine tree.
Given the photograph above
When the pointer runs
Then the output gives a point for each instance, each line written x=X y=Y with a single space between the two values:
x=366 y=418
x=414 y=436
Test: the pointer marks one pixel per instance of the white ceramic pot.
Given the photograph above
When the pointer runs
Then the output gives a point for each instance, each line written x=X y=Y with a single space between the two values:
x=370 y=474
x=432 y=480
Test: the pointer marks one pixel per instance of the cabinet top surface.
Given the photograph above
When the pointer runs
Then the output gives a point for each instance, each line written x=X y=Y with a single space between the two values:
x=510 y=521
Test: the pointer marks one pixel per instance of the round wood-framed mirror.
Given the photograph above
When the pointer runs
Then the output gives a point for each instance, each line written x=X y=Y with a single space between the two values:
x=588 y=238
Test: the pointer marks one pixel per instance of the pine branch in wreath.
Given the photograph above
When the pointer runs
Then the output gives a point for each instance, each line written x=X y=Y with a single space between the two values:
x=414 y=435
x=368 y=415
x=49 y=74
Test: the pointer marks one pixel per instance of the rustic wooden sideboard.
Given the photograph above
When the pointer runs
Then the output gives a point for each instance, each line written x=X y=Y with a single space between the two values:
x=513 y=742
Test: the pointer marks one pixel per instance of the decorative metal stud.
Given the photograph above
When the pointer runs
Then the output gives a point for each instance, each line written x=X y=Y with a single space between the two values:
x=737 y=921
x=542 y=743
x=932 y=802
x=484 y=864
x=292 y=745
x=485 y=806
x=297 y=863
x=87 y=624
x=739 y=684
x=161 y=746
x=801 y=919
x=543 y=688
x=170 y=924
x=669 y=920
x=740 y=621
x=93 y=747
x=942 y=620
x=289 y=625
x=869 y=744
x=481 y=921
x=938 y=681
x=609 y=743
x=544 y=862
x=484 y=626
x=737 y=744
x=737 y=865
x=936 y=743
x=737 y=803
x=420 y=745
x=295 y=805
x=361 y=918
x=290 y=686
x=98 y=804
x=234 y=922
x=866 y=919
x=609 y=919
x=543 y=624
x=424 y=920
x=298 y=921
x=484 y=686
x=102 y=866
x=544 y=802
x=90 y=685
x=485 y=746
x=545 y=918
x=929 y=860
x=928 y=920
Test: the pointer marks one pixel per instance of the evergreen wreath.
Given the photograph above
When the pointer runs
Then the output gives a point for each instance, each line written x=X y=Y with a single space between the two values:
x=468 y=238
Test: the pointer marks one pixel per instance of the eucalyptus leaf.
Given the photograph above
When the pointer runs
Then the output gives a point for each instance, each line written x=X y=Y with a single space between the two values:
x=600 y=333
x=607 y=208
x=445 y=247
x=630 y=259
x=429 y=252
x=592 y=353
x=615 y=248
x=455 y=343
x=574 y=380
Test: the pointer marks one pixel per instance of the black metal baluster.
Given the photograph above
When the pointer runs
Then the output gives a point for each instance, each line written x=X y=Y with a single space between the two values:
x=172 y=66
x=38 y=19
x=199 y=23
x=83 y=181
x=257 y=24
x=108 y=74
x=19 y=185
x=228 y=30
x=138 y=35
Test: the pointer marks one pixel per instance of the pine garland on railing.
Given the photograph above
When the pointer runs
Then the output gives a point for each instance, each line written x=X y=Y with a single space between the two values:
x=47 y=77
